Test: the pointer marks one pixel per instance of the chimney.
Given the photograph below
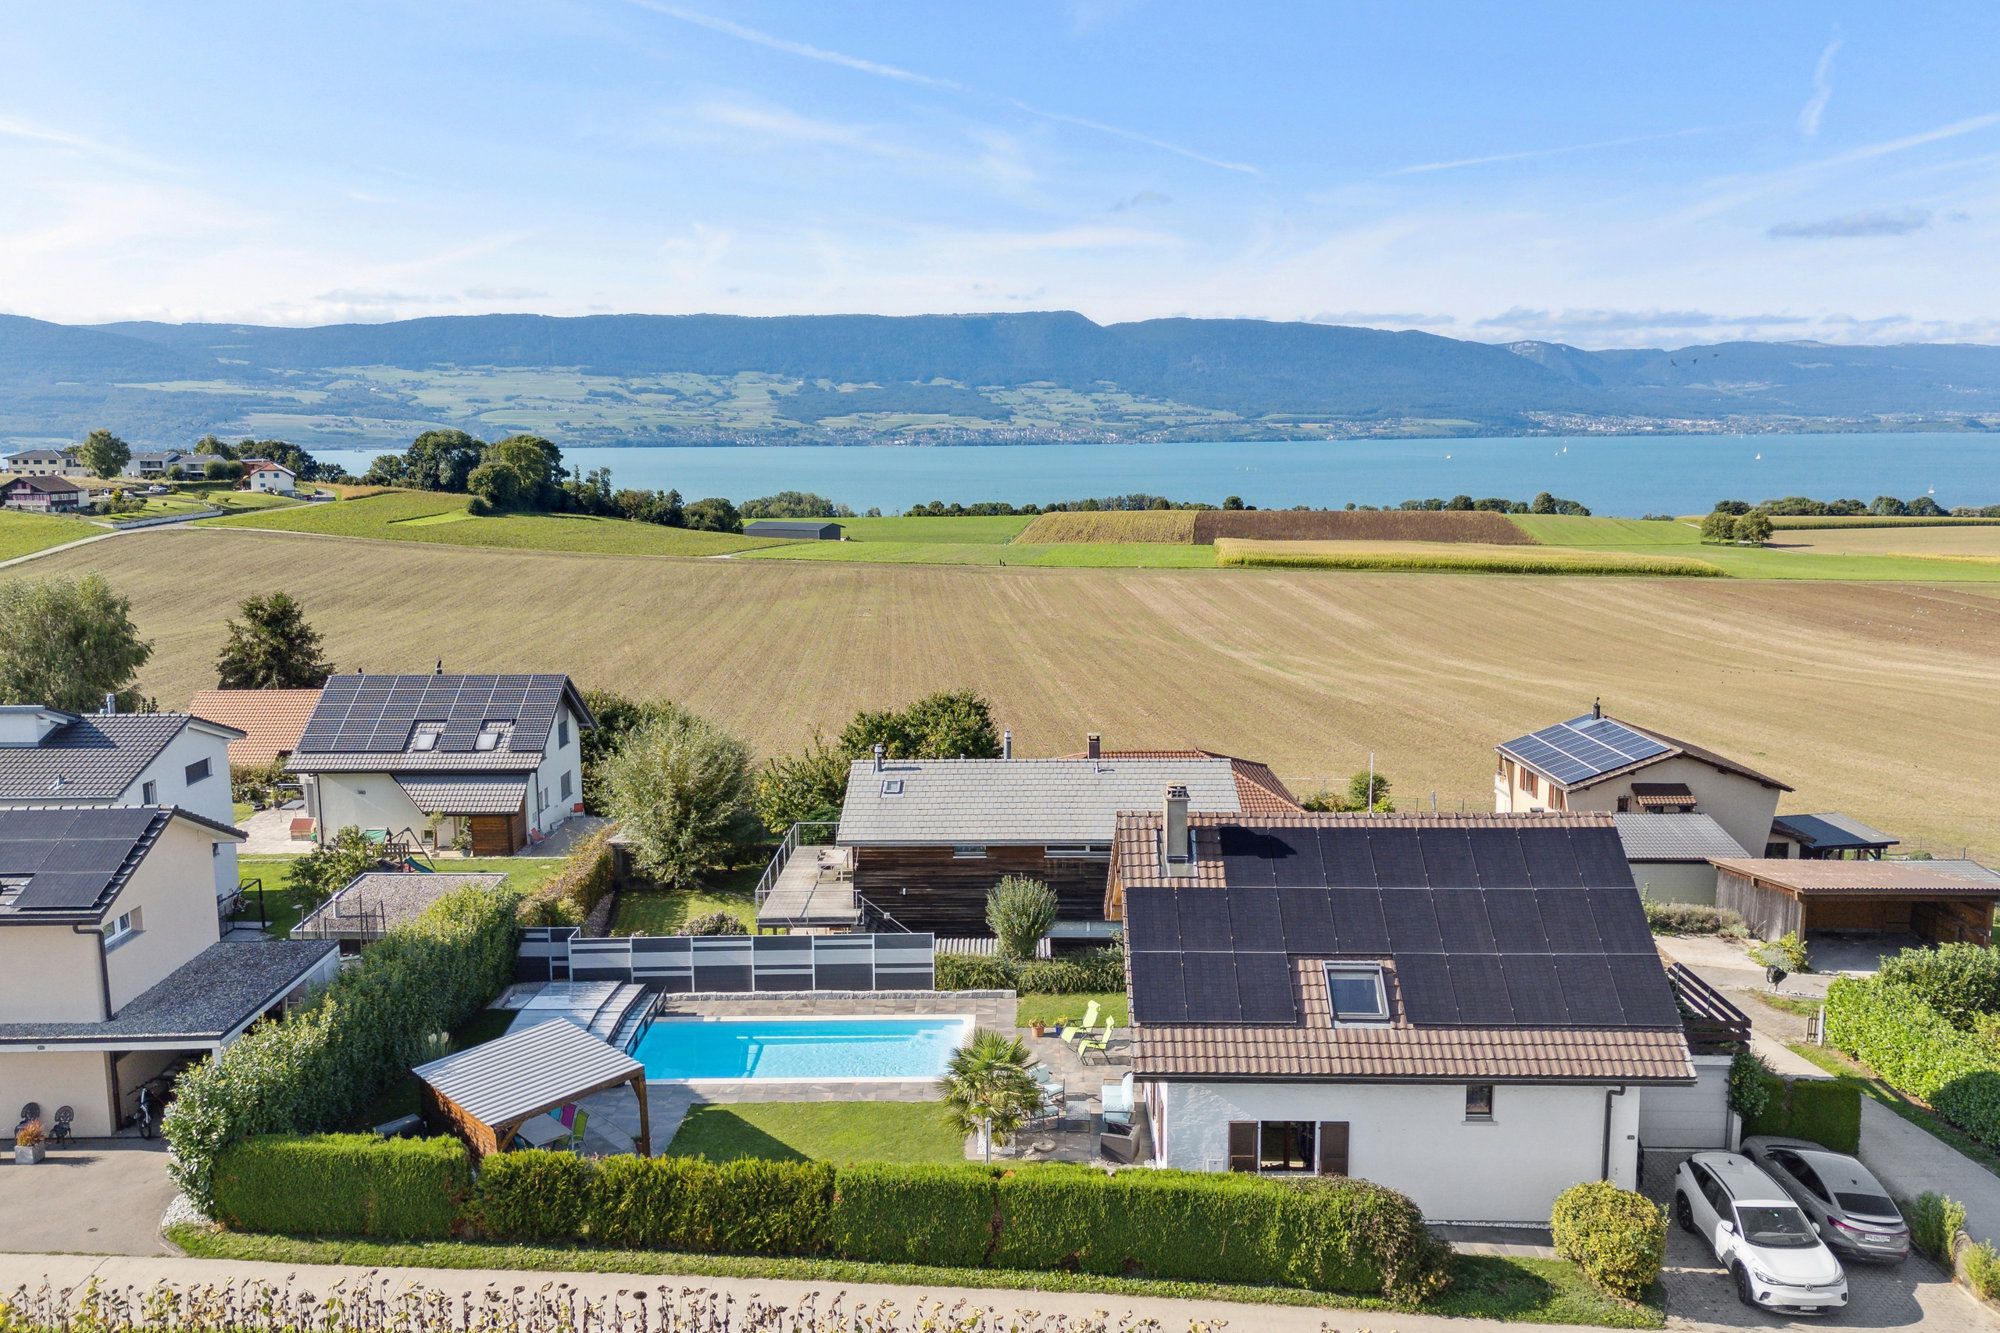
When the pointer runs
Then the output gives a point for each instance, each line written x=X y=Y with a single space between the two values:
x=1597 y=707
x=1179 y=844
x=1007 y=743
x=881 y=751
x=439 y=669
x=110 y=702
x=1094 y=746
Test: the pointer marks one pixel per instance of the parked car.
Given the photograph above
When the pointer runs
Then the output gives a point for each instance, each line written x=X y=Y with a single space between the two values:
x=1768 y=1245
x=1853 y=1214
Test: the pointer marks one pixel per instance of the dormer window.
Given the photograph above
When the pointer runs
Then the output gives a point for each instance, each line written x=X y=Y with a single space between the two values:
x=10 y=889
x=425 y=738
x=1356 y=994
x=490 y=735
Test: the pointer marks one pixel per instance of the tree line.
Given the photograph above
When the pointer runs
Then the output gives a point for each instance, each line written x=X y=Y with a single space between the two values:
x=1882 y=506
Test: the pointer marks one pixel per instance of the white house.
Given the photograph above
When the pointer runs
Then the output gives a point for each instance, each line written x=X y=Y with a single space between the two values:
x=44 y=463
x=261 y=474
x=1468 y=1009
x=498 y=758
x=111 y=968
x=153 y=464
x=48 y=757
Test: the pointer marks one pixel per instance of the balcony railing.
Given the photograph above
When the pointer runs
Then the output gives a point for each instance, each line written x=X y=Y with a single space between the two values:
x=1713 y=1025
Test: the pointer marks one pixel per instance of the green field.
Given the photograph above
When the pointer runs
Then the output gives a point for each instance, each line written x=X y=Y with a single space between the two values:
x=25 y=534
x=1777 y=561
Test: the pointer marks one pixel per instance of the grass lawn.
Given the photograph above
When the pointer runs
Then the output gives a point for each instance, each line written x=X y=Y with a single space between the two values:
x=665 y=911
x=1798 y=1005
x=1532 y=1291
x=25 y=534
x=523 y=872
x=819 y=1131
x=1849 y=1070
x=1048 y=1008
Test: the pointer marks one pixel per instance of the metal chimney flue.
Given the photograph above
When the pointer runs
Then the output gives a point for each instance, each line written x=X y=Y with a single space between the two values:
x=1175 y=833
x=110 y=702
x=1007 y=743
x=881 y=753
x=1597 y=707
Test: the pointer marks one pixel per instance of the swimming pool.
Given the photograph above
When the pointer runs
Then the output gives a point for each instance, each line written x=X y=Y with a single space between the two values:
x=800 y=1049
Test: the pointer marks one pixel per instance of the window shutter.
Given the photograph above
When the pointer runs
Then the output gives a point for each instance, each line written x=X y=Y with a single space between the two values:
x=1243 y=1145
x=1333 y=1147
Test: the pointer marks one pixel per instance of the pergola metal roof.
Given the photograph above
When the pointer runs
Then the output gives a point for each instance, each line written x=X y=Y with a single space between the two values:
x=491 y=1089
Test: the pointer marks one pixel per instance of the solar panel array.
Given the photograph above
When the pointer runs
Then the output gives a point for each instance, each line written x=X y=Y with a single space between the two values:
x=377 y=714
x=1486 y=927
x=1583 y=747
x=69 y=857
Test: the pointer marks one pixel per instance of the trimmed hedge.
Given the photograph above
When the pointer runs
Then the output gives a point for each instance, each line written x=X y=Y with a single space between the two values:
x=1825 y=1111
x=343 y=1184
x=568 y=896
x=1961 y=981
x=535 y=1196
x=913 y=1215
x=1617 y=1237
x=1917 y=1051
x=749 y=1206
x=1090 y=973
x=322 y=1064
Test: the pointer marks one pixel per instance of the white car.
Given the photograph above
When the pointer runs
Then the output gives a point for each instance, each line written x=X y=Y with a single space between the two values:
x=1768 y=1245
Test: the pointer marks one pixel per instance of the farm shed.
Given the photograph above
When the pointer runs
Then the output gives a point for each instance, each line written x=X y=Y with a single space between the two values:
x=486 y=1093
x=794 y=529
x=1778 y=896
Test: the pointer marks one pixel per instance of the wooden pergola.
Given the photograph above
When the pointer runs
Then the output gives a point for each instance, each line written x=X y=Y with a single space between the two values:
x=486 y=1093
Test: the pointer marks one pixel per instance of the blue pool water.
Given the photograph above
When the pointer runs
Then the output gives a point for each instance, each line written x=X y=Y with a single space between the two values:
x=800 y=1048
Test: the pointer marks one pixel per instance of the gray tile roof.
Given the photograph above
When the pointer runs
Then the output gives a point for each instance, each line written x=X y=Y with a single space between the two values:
x=1020 y=801
x=526 y=1071
x=1669 y=837
x=204 y=1000
x=93 y=758
x=1830 y=831
x=465 y=794
x=368 y=723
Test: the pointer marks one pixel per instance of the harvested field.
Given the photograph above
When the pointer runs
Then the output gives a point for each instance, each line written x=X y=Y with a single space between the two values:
x=1148 y=525
x=1924 y=541
x=1879 y=521
x=1359 y=525
x=1822 y=684
x=1462 y=557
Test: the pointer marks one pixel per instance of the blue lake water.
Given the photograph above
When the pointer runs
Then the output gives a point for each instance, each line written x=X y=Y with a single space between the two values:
x=800 y=1048
x=1626 y=475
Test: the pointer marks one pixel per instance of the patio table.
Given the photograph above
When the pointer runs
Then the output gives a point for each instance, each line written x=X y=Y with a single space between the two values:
x=541 y=1131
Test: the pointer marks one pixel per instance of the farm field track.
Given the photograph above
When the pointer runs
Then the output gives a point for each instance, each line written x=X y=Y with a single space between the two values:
x=25 y=534
x=1150 y=525
x=1390 y=525
x=1838 y=688
x=1460 y=557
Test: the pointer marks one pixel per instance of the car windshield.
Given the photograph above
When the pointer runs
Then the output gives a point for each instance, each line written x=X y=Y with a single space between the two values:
x=1776 y=1228
x=1867 y=1205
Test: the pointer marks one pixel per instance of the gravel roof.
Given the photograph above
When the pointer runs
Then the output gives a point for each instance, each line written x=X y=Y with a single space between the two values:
x=383 y=900
x=204 y=1000
x=1020 y=801
x=1668 y=837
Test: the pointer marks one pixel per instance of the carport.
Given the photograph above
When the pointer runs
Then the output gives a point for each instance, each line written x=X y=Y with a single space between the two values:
x=485 y=1094
x=1778 y=896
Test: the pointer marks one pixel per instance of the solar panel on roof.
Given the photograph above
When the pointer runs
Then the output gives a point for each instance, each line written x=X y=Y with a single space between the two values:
x=1583 y=748
x=1254 y=922
x=1344 y=855
x=1358 y=924
x=1413 y=926
x=1307 y=916
x=1600 y=857
x=1210 y=979
x=62 y=889
x=1447 y=858
x=1461 y=918
x=1588 y=992
x=1551 y=864
x=1204 y=917
x=1425 y=985
x=1299 y=862
x=1515 y=921
x=1497 y=859
x=1157 y=993
x=1479 y=990
x=1264 y=986
x=1534 y=991
x=1398 y=857
x=1644 y=995
x=1246 y=856
x=1151 y=919
x=1621 y=921
x=1566 y=920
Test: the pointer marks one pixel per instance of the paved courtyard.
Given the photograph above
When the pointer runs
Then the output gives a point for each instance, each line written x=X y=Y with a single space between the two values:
x=96 y=1196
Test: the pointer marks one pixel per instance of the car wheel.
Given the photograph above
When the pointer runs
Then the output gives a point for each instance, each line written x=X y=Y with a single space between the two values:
x=1742 y=1276
x=1684 y=1214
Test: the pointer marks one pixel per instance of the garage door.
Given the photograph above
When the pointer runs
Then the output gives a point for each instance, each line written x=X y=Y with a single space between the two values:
x=1689 y=1117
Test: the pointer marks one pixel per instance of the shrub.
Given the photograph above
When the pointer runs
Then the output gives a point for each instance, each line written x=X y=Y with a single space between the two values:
x=1090 y=973
x=535 y=1196
x=1935 y=1222
x=1752 y=1086
x=321 y=1064
x=1960 y=981
x=966 y=971
x=1691 y=919
x=1787 y=951
x=913 y=1215
x=570 y=894
x=1019 y=912
x=1618 y=1238
x=1917 y=1051
x=714 y=923
x=1982 y=1270
x=343 y=1185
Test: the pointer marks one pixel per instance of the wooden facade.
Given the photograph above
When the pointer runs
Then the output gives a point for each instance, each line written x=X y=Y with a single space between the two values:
x=440 y=1112
x=931 y=888
x=1773 y=910
x=499 y=835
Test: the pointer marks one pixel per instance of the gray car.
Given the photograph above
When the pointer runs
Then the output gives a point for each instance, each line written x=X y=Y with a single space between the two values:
x=1847 y=1205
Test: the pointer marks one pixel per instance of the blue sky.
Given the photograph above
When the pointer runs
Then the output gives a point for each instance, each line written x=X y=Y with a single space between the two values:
x=1602 y=174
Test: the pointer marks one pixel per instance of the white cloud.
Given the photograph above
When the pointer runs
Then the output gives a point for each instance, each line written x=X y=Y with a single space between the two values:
x=1822 y=93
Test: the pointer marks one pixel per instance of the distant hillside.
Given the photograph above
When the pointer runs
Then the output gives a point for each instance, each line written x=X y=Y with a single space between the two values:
x=721 y=379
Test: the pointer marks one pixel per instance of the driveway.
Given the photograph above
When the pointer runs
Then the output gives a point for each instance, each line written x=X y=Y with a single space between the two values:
x=97 y=1196
x=1914 y=1292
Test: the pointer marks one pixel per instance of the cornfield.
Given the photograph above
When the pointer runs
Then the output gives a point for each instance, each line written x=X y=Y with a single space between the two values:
x=1388 y=525
x=1446 y=558
x=1175 y=526
x=379 y=1305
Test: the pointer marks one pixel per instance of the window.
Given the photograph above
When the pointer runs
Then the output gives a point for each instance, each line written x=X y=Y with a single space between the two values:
x=126 y=926
x=1711 y=1189
x=892 y=786
x=1529 y=783
x=1558 y=799
x=562 y=735
x=968 y=851
x=1777 y=849
x=1079 y=851
x=565 y=786
x=197 y=772
x=1479 y=1101
x=1356 y=993
x=1285 y=1145
x=426 y=738
x=10 y=889
x=149 y=793
x=491 y=735
x=1289 y=1147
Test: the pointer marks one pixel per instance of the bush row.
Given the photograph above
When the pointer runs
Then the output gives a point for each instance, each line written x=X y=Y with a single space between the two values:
x=323 y=1063
x=1917 y=1051
x=1618 y=1238
x=1692 y=919
x=1092 y=972
x=1960 y=981
x=568 y=896
x=1331 y=1234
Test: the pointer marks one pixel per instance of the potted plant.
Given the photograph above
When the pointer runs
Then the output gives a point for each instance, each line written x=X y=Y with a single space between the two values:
x=29 y=1145
x=1039 y=1027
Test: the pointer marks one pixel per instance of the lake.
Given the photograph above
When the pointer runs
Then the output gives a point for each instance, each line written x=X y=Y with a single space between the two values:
x=1625 y=475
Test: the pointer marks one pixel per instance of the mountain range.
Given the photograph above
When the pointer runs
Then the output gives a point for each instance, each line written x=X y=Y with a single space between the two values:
x=1054 y=376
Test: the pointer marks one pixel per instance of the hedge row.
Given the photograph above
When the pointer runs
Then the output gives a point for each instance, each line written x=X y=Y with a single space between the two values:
x=323 y=1064
x=343 y=1185
x=1917 y=1051
x=568 y=896
x=1961 y=981
x=1820 y=1110
x=1092 y=972
x=1323 y=1234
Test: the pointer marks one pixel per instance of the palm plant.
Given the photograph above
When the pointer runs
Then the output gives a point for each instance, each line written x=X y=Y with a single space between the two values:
x=987 y=1088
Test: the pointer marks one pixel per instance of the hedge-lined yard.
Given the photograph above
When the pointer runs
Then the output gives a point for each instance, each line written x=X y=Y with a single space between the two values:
x=1916 y=1049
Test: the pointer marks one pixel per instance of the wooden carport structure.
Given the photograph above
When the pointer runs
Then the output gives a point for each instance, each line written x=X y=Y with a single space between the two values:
x=1778 y=896
x=486 y=1093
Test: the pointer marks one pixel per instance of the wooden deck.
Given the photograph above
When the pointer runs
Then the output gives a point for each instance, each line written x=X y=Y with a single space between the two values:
x=814 y=887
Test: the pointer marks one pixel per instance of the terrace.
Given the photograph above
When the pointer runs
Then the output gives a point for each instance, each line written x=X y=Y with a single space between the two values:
x=808 y=884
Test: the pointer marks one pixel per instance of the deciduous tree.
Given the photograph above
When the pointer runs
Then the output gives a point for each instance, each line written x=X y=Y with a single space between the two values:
x=104 y=453
x=68 y=643
x=679 y=787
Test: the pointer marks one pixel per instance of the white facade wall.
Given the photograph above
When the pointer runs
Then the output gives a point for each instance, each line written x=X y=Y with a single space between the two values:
x=547 y=806
x=1414 y=1137
x=1675 y=881
x=208 y=798
x=272 y=481
x=364 y=800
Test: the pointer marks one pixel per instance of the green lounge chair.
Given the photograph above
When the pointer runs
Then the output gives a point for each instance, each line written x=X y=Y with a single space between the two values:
x=574 y=1143
x=1070 y=1034
x=1100 y=1043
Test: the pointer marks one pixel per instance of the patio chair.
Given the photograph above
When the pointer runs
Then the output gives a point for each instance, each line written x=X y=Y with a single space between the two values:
x=64 y=1126
x=1100 y=1043
x=1116 y=1100
x=574 y=1143
x=1070 y=1034
x=31 y=1111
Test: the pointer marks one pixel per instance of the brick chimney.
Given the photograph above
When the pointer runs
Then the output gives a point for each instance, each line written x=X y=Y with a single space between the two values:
x=1179 y=841
x=1093 y=746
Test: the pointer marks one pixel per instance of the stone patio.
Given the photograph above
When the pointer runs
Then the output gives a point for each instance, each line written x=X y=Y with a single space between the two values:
x=1073 y=1137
